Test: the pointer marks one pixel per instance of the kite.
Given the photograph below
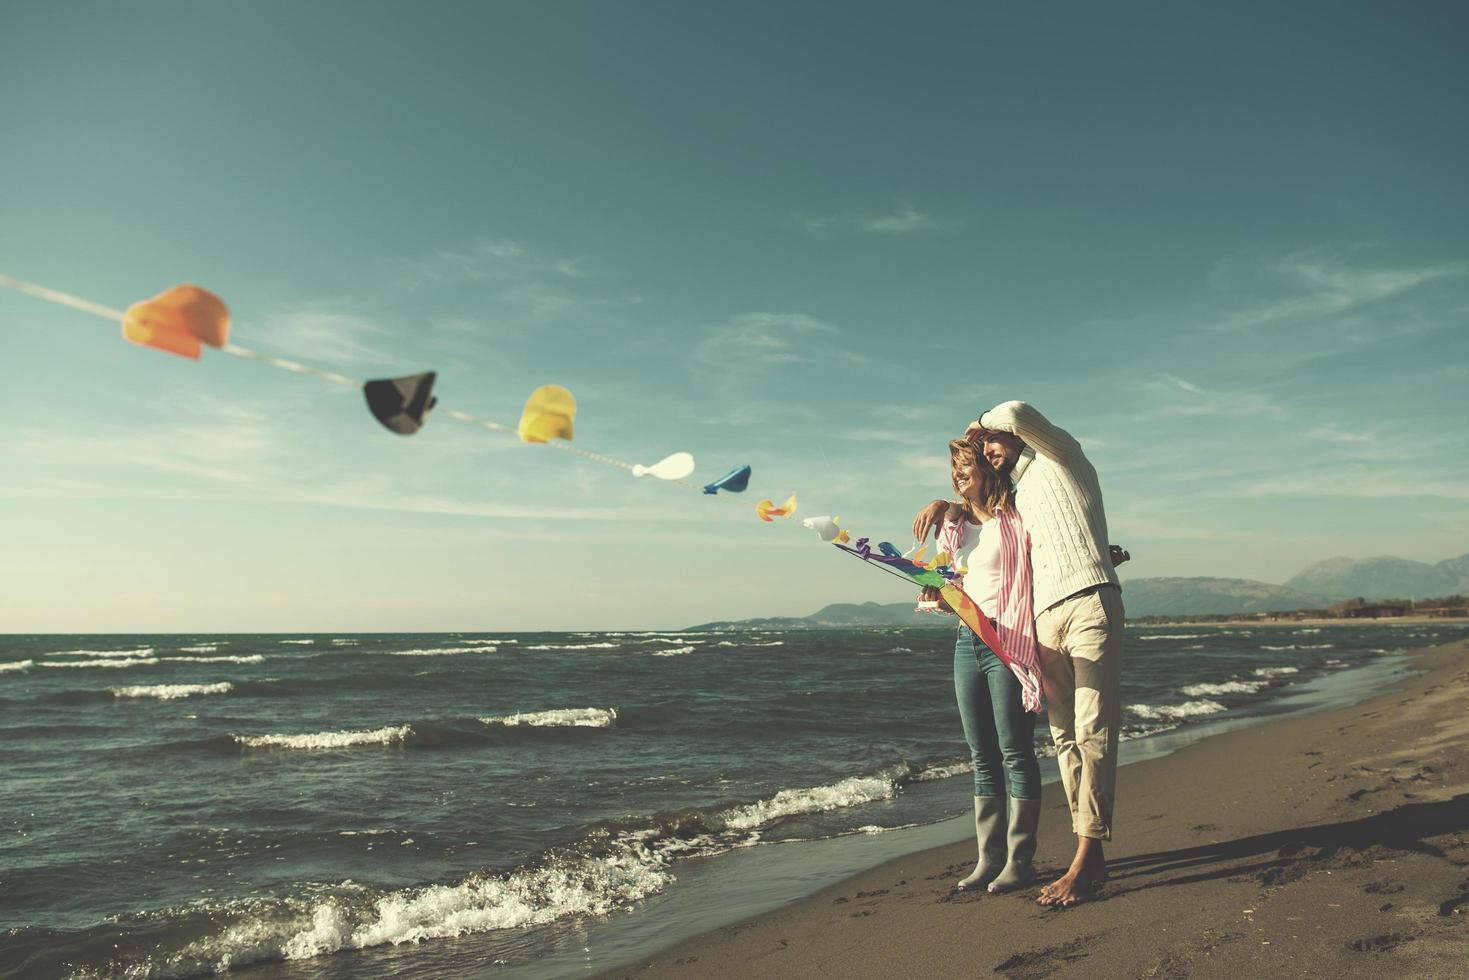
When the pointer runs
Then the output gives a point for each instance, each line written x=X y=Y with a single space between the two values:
x=178 y=320
x=938 y=578
x=734 y=481
x=825 y=527
x=768 y=512
x=548 y=414
x=674 y=467
x=401 y=403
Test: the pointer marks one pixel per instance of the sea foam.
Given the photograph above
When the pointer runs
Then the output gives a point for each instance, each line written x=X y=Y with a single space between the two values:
x=572 y=646
x=1276 y=671
x=558 y=718
x=327 y=740
x=1188 y=709
x=102 y=662
x=17 y=665
x=251 y=658
x=673 y=652
x=135 y=652
x=171 y=692
x=1223 y=687
x=814 y=799
x=441 y=651
x=353 y=917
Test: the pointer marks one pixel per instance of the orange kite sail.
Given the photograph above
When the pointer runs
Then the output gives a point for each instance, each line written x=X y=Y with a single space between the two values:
x=178 y=321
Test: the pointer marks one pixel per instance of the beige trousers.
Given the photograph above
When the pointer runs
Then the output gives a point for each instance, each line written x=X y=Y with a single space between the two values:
x=1080 y=642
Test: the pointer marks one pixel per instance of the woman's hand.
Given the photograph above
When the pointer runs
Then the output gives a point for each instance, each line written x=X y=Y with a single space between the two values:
x=932 y=594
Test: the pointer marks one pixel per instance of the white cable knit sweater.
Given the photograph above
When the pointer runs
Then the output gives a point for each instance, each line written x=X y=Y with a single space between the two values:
x=1060 y=500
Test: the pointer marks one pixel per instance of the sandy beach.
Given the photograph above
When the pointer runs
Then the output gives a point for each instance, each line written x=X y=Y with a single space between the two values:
x=1324 y=845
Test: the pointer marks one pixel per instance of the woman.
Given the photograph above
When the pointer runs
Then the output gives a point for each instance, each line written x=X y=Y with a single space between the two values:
x=998 y=698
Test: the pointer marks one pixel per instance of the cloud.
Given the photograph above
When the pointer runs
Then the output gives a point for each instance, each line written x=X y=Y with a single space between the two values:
x=902 y=436
x=486 y=260
x=1184 y=398
x=1365 y=483
x=1185 y=385
x=1321 y=287
x=761 y=340
x=321 y=337
x=1333 y=433
x=905 y=221
x=526 y=282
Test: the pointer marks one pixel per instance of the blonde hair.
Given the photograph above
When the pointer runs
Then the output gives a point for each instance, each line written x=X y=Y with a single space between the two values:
x=990 y=490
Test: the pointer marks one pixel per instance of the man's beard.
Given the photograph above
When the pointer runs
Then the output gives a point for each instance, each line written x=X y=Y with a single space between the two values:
x=1004 y=466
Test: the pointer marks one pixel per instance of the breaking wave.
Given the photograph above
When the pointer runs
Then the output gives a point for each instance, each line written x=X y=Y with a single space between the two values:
x=171 y=692
x=1173 y=636
x=816 y=799
x=1224 y=687
x=572 y=646
x=441 y=651
x=1276 y=671
x=201 y=648
x=102 y=662
x=1299 y=646
x=1188 y=709
x=326 y=740
x=558 y=718
x=16 y=665
x=252 y=658
x=674 y=652
x=613 y=865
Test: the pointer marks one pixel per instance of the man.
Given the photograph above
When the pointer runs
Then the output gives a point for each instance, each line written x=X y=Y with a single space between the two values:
x=1078 y=618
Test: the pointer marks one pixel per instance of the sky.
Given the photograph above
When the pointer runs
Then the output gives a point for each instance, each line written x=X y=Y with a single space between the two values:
x=1222 y=245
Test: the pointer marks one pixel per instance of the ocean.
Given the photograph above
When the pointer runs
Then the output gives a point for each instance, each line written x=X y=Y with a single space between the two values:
x=390 y=804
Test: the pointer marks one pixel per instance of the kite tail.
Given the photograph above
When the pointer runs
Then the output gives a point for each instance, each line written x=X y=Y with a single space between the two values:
x=1015 y=613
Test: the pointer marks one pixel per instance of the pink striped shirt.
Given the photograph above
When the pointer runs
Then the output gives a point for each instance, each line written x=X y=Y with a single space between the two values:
x=1012 y=610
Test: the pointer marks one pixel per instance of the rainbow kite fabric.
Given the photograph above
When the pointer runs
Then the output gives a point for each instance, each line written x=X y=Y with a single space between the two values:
x=768 y=512
x=934 y=575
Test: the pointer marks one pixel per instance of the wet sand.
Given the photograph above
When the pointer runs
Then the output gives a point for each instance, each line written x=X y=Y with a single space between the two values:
x=1333 y=844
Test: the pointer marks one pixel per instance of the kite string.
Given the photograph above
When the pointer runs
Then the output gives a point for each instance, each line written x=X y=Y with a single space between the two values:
x=293 y=366
x=64 y=299
x=296 y=367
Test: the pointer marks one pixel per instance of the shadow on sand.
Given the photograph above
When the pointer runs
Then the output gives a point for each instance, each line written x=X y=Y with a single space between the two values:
x=1290 y=854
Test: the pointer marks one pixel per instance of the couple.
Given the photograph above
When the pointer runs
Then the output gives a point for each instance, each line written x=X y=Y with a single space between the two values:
x=1030 y=536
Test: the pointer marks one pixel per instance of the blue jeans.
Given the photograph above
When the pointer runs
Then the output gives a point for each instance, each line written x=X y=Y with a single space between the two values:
x=997 y=727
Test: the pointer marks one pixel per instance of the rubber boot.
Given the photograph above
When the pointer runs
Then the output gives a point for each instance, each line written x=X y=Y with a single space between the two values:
x=1025 y=816
x=989 y=831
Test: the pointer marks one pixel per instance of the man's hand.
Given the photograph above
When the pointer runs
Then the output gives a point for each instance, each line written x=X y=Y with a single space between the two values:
x=927 y=518
x=976 y=433
x=1119 y=555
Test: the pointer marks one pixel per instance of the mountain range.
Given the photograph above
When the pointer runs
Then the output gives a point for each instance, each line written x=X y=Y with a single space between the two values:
x=1323 y=584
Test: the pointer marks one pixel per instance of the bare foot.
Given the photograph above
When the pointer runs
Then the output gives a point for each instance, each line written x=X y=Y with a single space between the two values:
x=1069 y=890
x=1080 y=882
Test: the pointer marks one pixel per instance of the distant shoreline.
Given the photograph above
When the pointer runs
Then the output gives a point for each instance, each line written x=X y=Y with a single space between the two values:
x=1305 y=621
